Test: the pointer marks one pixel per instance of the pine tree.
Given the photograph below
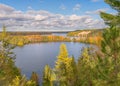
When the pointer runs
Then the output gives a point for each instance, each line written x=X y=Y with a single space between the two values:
x=62 y=65
x=9 y=73
x=86 y=66
x=111 y=42
x=112 y=20
x=111 y=37
x=48 y=76
x=35 y=78
x=109 y=63
x=72 y=73
x=21 y=81
x=8 y=70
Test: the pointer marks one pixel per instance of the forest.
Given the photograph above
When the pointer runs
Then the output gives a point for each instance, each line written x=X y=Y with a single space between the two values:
x=101 y=68
x=19 y=39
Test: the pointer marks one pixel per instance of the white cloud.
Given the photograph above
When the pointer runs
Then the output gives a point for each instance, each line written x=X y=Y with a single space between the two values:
x=62 y=7
x=44 y=20
x=76 y=7
x=75 y=17
x=6 y=9
x=97 y=11
x=40 y=17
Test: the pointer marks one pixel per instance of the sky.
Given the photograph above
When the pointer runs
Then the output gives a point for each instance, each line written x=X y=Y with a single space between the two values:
x=50 y=15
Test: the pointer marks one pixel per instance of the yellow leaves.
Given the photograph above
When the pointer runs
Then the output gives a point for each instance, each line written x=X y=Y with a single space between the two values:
x=18 y=40
x=65 y=61
x=63 y=51
x=45 y=38
x=49 y=74
x=68 y=62
x=63 y=56
x=53 y=76
x=15 y=82
x=95 y=40
x=30 y=83
x=21 y=82
x=63 y=64
x=20 y=43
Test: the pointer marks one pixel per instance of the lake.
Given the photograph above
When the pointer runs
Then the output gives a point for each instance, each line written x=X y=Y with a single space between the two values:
x=33 y=57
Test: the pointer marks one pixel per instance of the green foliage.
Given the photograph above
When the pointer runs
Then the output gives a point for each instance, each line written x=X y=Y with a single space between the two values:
x=109 y=19
x=8 y=70
x=111 y=42
x=108 y=67
x=106 y=71
x=115 y=4
x=112 y=20
x=86 y=67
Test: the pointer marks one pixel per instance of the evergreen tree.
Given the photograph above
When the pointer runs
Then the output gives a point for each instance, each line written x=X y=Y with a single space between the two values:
x=62 y=65
x=35 y=78
x=86 y=66
x=8 y=70
x=9 y=73
x=72 y=73
x=48 y=76
x=21 y=81
x=112 y=20
x=109 y=63
x=111 y=42
x=111 y=37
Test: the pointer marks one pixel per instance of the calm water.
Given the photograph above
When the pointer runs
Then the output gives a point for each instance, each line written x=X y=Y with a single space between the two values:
x=34 y=57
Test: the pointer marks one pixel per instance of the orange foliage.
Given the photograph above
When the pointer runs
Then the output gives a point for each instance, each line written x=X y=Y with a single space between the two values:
x=95 y=40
